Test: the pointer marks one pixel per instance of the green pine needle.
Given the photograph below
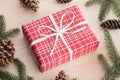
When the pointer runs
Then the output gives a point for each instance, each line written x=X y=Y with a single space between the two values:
x=30 y=78
x=104 y=10
x=6 y=34
x=11 y=33
x=2 y=24
x=111 y=72
x=92 y=2
x=75 y=79
x=116 y=8
x=21 y=69
x=114 y=55
x=4 y=75
x=106 y=6
x=104 y=62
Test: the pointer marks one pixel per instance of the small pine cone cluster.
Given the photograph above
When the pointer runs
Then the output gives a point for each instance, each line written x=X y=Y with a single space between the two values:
x=62 y=76
x=64 y=1
x=7 y=52
x=111 y=24
x=31 y=4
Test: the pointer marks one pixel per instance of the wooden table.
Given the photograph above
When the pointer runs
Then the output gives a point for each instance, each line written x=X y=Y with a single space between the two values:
x=86 y=67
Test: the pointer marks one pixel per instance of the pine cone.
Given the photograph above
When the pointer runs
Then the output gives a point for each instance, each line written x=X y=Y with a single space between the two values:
x=64 y=1
x=111 y=24
x=62 y=76
x=7 y=52
x=31 y=4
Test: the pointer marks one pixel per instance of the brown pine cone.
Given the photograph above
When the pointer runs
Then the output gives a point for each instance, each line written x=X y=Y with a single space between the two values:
x=111 y=24
x=31 y=4
x=7 y=52
x=64 y=1
x=62 y=76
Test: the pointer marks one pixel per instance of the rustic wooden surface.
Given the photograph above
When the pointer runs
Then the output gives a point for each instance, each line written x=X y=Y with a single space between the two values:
x=86 y=67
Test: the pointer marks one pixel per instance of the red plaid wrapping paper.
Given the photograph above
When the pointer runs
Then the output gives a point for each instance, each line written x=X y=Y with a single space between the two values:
x=80 y=43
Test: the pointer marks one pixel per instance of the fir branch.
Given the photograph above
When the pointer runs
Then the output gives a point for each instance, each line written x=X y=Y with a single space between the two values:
x=74 y=79
x=104 y=10
x=4 y=75
x=6 y=34
x=113 y=72
x=116 y=8
x=11 y=33
x=108 y=76
x=111 y=47
x=21 y=69
x=30 y=78
x=104 y=63
x=2 y=24
x=92 y=2
x=106 y=6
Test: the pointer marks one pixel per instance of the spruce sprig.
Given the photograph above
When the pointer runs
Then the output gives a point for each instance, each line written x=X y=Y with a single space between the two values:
x=5 y=75
x=106 y=6
x=104 y=10
x=116 y=8
x=2 y=24
x=111 y=72
x=30 y=78
x=104 y=63
x=6 y=34
x=21 y=69
x=74 y=79
x=92 y=2
x=113 y=53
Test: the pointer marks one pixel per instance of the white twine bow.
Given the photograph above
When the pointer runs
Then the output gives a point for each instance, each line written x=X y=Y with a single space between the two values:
x=58 y=32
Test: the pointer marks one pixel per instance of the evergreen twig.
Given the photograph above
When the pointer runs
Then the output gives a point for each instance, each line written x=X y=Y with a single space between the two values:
x=111 y=47
x=21 y=69
x=92 y=2
x=6 y=34
x=2 y=24
x=4 y=75
x=116 y=8
x=111 y=72
x=74 y=79
x=104 y=10
x=11 y=33
x=106 y=6
x=104 y=63
x=30 y=78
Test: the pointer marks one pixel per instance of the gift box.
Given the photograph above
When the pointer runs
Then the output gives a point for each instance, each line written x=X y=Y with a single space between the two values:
x=60 y=37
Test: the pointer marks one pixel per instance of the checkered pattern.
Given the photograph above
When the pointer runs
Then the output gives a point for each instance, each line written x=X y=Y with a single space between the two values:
x=81 y=42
